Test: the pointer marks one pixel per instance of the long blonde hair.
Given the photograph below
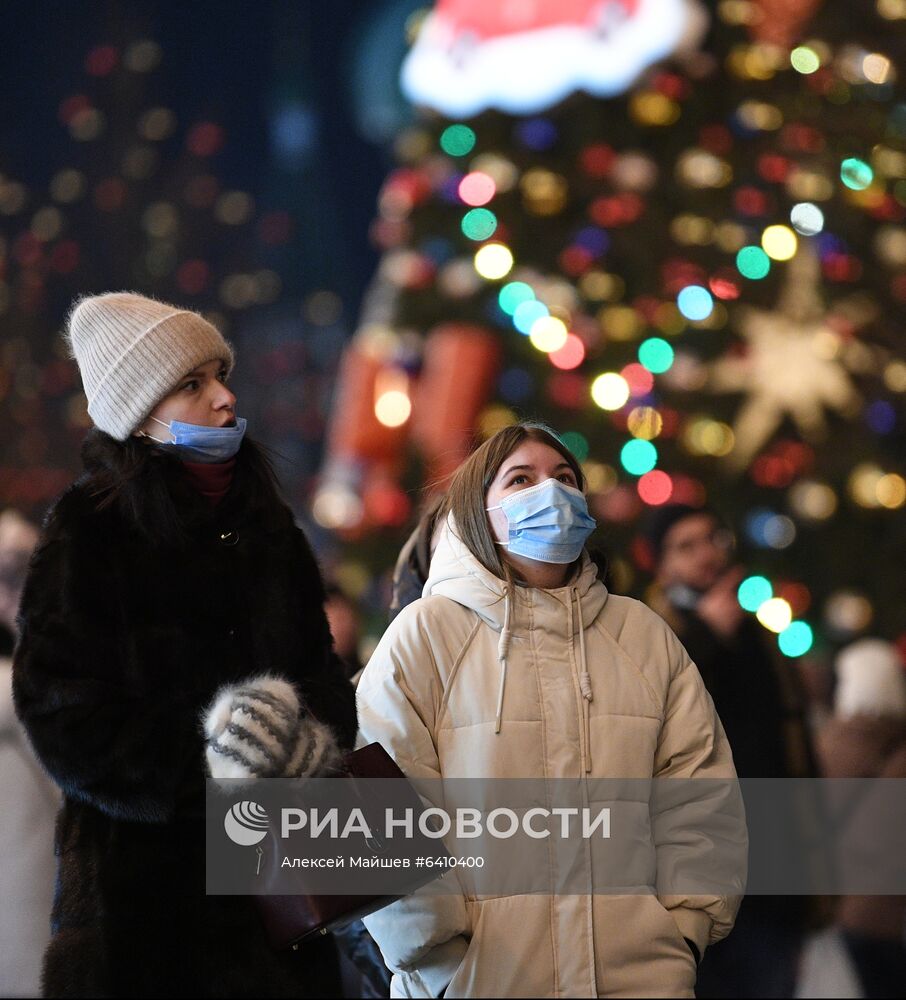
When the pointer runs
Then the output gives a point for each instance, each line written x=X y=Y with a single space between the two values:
x=465 y=499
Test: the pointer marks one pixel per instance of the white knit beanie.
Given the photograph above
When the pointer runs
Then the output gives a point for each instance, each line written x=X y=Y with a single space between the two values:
x=133 y=351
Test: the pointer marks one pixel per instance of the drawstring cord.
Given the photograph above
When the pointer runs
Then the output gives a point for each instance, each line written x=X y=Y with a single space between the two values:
x=584 y=684
x=503 y=648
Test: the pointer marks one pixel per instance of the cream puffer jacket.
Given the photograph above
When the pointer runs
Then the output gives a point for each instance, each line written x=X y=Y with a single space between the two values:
x=473 y=681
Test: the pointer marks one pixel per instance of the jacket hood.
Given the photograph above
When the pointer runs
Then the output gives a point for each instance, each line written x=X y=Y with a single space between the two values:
x=456 y=574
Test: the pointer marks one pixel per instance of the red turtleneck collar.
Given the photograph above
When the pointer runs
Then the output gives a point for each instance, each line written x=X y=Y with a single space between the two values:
x=211 y=479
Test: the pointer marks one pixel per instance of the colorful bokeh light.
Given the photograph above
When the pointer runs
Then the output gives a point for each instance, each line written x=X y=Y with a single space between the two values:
x=753 y=263
x=779 y=242
x=610 y=391
x=807 y=218
x=479 y=224
x=805 y=60
x=513 y=294
x=656 y=354
x=856 y=174
x=695 y=303
x=570 y=355
x=477 y=188
x=457 y=140
x=494 y=261
x=655 y=487
x=393 y=408
x=526 y=314
x=548 y=334
x=638 y=457
x=796 y=639
x=775 y=614
x=753 y=592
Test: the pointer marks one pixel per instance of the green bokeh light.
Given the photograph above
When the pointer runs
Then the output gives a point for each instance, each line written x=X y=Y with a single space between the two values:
x=457 y=140
x=513 y=294
x=577 y=444
x=796 y=639
x=479 y=223
x=656 y=355
x=856 y=174
x=752 y=262
x=753 y=592
x=638 y=457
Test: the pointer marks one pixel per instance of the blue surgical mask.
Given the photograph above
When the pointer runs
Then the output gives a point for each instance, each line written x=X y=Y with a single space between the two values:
x=548 y=522
x=196 y=443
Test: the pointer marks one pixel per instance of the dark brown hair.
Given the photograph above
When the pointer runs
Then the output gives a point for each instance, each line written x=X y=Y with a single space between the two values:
x=143 y=481
x=465 y=499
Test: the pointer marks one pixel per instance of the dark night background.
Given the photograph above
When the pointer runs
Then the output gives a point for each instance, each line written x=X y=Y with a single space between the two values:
x=307 y=97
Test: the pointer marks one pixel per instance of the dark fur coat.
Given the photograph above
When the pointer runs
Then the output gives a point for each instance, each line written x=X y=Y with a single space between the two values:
x=140 y=603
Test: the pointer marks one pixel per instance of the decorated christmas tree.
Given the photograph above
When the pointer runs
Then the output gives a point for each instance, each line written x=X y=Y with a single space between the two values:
x=675 y=232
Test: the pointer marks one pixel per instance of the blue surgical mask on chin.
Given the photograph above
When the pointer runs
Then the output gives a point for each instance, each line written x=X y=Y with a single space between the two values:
x=196 y=443
x=548 y=522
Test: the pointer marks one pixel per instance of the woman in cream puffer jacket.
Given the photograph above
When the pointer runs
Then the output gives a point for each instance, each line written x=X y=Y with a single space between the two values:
x=488 y=676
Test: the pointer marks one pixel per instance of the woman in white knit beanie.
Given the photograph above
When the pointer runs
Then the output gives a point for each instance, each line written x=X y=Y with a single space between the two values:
x=171 y=625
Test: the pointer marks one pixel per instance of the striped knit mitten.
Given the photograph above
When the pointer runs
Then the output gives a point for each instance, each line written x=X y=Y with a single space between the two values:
x=259 y=729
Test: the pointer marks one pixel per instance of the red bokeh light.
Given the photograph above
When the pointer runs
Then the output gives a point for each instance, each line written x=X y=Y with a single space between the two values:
x=570 y=355
x=671 y=85
x=101 y=60
x=655 y=487
x=192 y=276
x=597 y=159
x=568 y=389
x=841 y=267
x=797 y=595
x=716 y=139
x=773 y=167
x=689 y=491
x=773 y=471
x=616 y=210
x=574 y=260
x=724 y=286
x=64 y=257
x=751 y=201
x=640 y=380
x=205 y=139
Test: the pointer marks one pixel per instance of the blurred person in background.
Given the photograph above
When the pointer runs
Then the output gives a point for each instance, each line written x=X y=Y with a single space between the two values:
x=866 y=738
x=760 y=707
x=539 y=672
x=30 y=799
x=169 y=577
x=414 y=561
x=345 y=627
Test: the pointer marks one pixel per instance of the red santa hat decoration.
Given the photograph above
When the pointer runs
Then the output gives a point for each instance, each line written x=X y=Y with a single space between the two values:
x=521 y=56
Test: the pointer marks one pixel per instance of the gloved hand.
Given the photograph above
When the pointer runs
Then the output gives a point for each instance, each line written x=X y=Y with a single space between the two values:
x=260 y=729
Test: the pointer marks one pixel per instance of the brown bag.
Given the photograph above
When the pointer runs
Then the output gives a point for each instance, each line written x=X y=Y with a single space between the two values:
x=289 y=920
